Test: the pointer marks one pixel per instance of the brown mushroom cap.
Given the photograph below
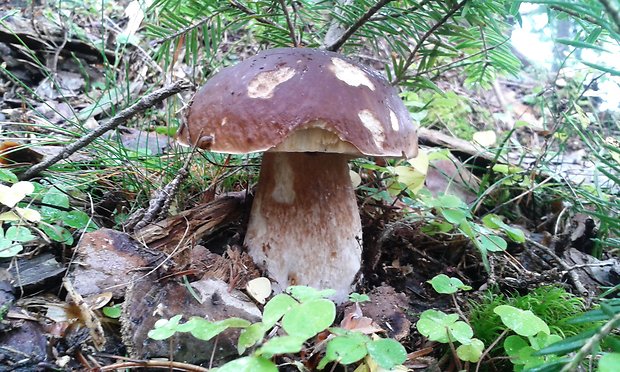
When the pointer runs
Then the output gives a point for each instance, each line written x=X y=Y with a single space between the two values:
x=258 y=103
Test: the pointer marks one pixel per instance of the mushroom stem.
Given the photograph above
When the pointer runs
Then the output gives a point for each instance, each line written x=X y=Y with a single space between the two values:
x=304 y=226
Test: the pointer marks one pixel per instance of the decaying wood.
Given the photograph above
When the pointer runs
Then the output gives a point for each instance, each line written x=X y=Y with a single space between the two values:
x=436 y=138
x=191 y=225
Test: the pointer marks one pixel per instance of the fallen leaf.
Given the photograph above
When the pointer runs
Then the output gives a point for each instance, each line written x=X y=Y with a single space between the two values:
x=485 y=138
x=10 y=196
x=259 y=289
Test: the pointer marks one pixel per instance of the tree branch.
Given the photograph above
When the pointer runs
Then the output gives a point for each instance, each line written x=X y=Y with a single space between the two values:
x=355 y=26
x=613 y=11
x=122 y=117
x=424 y=37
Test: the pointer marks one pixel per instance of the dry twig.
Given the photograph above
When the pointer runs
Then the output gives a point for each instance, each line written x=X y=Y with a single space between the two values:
x=122 y=117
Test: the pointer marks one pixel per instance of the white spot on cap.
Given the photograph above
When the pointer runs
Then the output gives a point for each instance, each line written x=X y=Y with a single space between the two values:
x=264 y=83
x=284 y=191
x=224 y=121
x=394 y=121
x=350 y=74
x=370 y=121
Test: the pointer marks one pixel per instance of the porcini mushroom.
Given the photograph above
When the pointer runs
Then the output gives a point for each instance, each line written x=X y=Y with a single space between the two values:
x=310 y=111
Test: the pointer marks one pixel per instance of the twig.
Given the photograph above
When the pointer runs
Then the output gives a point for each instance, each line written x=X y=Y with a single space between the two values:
x=592 y=341
x=159 y=205
x=155 y=364
x=355 y=26
x=571 y=274
x=427 y=34
x=289 y=23
x=122 y=117
x=488 y=349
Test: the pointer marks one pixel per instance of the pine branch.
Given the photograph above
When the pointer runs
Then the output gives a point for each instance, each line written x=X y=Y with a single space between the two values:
x=244 y=9
x=402 y=13
x=424 y=37
x=122 y=117
x=614 y=12
x=184 y=30
x=355 y=26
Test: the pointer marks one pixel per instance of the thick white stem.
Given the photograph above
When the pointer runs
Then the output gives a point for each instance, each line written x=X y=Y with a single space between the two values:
x=304 y=227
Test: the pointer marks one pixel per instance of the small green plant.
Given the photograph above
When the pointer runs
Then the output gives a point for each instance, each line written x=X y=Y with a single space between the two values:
x=485 y=235
x=302 y=313
x=447 y=328
x=52 y=218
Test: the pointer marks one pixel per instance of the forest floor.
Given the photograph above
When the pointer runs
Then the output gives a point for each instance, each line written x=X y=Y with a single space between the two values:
x=126 y=237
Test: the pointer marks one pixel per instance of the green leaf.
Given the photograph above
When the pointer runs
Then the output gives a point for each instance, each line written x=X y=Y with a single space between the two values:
x=250 y=336
x=7 y=176
x=602 y=68
x=279 y=305
x=513 y=345
x=492 y=243
x=57 y=233
x=494 y=221
x=77 y=220
x=309 y=318
x=20 y=234
x=303 y=293
x=446 y=285
x=345 y=349
x=441 y=327
x=205 y=330
x=358 y=297
x=57 y=198
x=113 y=312
x=580 y=44
x=280 y=345
x=387 y=352
x=454 y=216
x=609 y=362
x=249 y=364
x=523 y=322
x=8 y=248
x=470 y=352
x=165 y=328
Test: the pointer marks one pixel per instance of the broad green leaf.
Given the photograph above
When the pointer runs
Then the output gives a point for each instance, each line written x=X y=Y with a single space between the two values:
x=513 y=344
x=20 y=234
x=165 y=328
x=454 y=216
x=279 y=305
x=8 y=248
x=280 y=345
x=309 y=318
x=470 y=352
x=113 y=312
x=441 y=327
x=54 y=197
x=303 y=293
x=493 y=243
x=493 y=221
x=250 y=336
x=609 y=362
x=205 y=330
x=77 y=220
x=447 y=285
x=7 y=176
x=345 y=349
x=249 y=364
x=57 y=233
x=387 y=352
x=523 y=322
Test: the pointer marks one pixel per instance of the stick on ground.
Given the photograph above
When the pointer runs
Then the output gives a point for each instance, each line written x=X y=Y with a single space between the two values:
x=122 y=117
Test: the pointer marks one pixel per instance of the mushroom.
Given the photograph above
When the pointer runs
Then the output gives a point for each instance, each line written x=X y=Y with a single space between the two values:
x=310 y=111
